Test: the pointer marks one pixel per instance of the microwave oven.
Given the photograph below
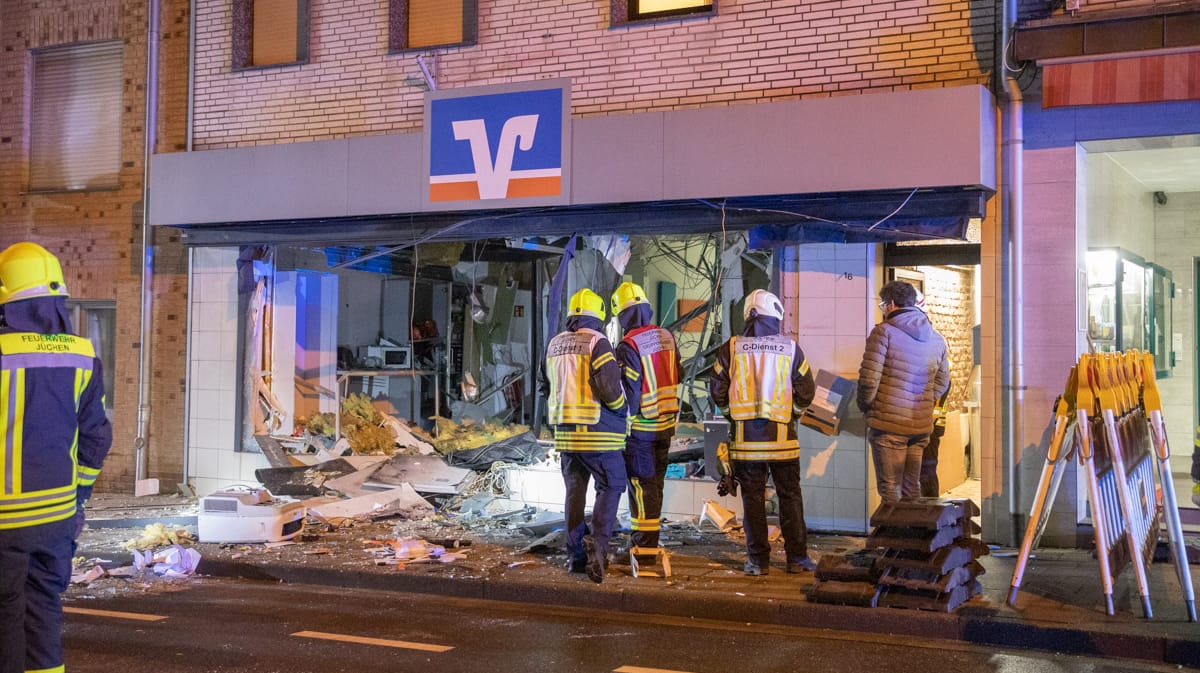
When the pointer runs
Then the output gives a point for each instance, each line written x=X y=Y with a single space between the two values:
x=385 y=357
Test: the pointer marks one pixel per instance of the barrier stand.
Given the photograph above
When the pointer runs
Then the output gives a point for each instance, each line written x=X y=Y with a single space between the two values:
x=1162 y=451
x=1119 y=431
x=1113 y=401
x=1052 y=473
x=1101 y=490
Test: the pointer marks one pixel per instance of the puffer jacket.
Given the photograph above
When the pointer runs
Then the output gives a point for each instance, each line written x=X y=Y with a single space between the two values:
x=904 y=370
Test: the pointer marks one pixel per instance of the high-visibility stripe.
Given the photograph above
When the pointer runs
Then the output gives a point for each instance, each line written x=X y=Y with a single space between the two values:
x=38 y=517
x=6 y=486
x=17 y=422
x=56 y=669
x=638 y=494
x=35 y=498
x=780 y=448
x=588 y=440
x=602 y=360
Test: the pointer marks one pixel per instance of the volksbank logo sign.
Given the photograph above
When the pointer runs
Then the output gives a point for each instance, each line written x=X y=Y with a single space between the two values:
x=498 y=143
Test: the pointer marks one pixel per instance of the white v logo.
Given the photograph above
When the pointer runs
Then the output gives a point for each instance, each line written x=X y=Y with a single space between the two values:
x=493 y=177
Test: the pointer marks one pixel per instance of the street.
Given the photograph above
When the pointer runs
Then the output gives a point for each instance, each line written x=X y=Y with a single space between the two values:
x=253 y=627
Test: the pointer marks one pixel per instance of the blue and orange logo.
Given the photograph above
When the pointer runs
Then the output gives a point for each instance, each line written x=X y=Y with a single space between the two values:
x=496 y=146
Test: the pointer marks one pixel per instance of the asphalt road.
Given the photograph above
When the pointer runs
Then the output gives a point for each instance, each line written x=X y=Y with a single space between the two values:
x=251 y=627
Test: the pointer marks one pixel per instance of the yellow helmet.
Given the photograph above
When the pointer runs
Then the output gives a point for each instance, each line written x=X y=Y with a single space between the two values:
x=586 y=302
x=628 y=294
x=27 y=270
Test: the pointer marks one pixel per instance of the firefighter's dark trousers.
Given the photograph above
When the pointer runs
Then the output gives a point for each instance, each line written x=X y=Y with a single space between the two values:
x=751 y=476
x=35 y=568
x=607 y=468
x=646 y=463
x=930 y=488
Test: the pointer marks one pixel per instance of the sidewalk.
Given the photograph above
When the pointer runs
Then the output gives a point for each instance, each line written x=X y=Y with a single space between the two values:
x=1060 y=607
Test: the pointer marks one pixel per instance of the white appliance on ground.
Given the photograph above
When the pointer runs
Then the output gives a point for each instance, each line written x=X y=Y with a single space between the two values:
x=248 y=515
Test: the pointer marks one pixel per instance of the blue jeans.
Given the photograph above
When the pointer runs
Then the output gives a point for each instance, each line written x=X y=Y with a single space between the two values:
x=897 y=464
x=579 y=467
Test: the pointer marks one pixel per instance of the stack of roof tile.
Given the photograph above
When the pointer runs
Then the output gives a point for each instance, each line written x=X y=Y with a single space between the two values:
x=929 y=553
x=922 y=554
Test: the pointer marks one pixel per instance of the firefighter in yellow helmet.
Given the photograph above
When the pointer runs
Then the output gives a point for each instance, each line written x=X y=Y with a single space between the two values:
x=761 y=382
x=55 y=437
x=650 y=359
x=587 y=410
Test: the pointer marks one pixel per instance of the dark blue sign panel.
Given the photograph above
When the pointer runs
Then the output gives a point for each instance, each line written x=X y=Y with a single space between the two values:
x=505 y=144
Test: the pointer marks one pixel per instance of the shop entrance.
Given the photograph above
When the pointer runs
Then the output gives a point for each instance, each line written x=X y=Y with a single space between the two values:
x=948 y=276
x=1141 y=245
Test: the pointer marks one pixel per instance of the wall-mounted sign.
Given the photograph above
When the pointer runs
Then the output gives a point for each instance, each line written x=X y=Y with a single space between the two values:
x=498 y=143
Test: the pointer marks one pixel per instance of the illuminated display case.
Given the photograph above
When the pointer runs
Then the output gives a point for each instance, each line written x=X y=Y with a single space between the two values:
x=1129 y=305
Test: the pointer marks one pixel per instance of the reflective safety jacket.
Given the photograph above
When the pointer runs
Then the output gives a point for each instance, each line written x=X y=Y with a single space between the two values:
x=650 y=358
x=55 y=432
x=939 y=413
x=761 y=382
x=587 y=402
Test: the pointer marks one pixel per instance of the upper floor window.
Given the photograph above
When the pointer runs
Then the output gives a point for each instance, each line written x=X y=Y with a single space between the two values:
x=269 y=32
x=75 y=117
x=625 y=11
x=420 y=24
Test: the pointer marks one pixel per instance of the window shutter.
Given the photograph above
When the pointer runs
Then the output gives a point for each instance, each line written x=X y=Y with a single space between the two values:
x=434 y=22
x=75 y=134
x=275 y=32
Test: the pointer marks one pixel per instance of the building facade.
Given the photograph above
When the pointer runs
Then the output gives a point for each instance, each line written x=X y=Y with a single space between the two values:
x=72 y=160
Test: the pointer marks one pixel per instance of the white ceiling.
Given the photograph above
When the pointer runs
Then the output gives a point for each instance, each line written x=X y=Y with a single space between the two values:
x=1167 y=169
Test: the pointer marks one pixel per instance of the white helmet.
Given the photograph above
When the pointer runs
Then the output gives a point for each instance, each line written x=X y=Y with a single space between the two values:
x=764 y=303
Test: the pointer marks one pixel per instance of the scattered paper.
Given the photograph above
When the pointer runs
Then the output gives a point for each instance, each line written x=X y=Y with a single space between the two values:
x=173 y=561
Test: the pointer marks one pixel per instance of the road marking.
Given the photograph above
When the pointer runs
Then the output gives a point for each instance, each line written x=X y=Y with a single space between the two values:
x=373 y=641
x=640 y=669
x=119 y=615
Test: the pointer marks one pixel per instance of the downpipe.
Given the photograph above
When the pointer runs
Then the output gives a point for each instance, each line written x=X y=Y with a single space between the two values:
x=150 y=134
x=1013 y=146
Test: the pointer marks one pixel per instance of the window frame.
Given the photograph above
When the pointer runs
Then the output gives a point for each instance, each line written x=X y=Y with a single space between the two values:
x=398 y=28
x=624 y=13
x=80 y=311
x=35 y=119
x=243 y=37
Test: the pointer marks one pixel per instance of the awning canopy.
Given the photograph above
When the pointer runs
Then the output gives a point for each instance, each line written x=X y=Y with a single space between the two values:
x=844 y=217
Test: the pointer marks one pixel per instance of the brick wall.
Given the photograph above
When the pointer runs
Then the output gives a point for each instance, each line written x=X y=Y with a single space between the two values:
x=97 y=235
x=753 y=50
x=950 y=304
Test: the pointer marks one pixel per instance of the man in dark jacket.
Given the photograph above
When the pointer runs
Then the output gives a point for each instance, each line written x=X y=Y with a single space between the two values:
x=761 y=382
x=55 y=437
x=587 y=410
x=905 y=369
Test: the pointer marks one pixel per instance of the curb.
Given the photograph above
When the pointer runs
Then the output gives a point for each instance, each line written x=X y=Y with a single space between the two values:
x=974 y=626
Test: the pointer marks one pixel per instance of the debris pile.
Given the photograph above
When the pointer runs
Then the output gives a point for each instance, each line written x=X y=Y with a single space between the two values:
x=921 y=554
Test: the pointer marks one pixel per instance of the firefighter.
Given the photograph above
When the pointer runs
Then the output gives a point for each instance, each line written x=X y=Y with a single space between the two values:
x=761 y=382
x=587 y=410
x=930 y=488
x=56 y=436
x=650 y=358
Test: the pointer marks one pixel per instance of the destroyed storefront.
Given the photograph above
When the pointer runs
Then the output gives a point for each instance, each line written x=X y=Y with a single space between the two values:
x=359 y=274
